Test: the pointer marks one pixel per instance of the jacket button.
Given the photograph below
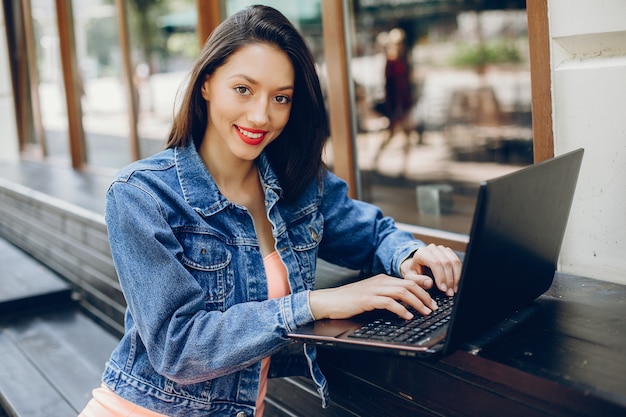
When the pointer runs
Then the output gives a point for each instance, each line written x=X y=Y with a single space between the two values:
x=241 y=414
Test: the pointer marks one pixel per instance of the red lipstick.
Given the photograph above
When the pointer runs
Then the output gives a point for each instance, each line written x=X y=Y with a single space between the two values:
x=251 y=136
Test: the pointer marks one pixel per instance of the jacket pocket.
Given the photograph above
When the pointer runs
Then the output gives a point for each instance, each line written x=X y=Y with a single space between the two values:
x=306 y=235
x=209 y=261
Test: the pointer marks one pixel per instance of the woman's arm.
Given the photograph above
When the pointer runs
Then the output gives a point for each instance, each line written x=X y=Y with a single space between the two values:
x=184 y=341
x=358 y=236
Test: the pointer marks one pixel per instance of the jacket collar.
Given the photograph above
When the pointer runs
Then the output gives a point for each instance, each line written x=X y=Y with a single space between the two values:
x=199 y=188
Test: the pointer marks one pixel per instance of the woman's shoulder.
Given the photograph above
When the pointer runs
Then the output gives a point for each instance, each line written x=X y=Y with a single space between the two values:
x=153 y=166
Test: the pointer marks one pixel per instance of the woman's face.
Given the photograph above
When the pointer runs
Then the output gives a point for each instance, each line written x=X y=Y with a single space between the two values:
x=249 y=100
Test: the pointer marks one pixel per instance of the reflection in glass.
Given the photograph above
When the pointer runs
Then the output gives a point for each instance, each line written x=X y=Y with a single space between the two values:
x=463 y=116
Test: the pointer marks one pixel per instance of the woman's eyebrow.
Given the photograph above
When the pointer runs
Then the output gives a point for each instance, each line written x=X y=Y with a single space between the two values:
x=255 y=82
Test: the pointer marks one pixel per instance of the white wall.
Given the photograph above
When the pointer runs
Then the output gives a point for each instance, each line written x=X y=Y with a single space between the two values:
x=8 y=135
x=588 y=53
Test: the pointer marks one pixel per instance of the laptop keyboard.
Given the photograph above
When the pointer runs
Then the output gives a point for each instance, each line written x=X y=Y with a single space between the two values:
x=412 y=332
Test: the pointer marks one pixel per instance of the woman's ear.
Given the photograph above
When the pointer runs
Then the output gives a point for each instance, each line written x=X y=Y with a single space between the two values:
x=205 y=88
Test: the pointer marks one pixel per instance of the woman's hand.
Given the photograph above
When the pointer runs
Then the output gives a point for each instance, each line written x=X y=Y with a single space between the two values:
x=388 y=293
x=378 y=292
x=434 y=262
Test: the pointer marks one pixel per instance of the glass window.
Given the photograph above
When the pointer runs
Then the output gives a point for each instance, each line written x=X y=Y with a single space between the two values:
x=442 y=103
x=162 y=43
x=106 y=120
x=51 y=86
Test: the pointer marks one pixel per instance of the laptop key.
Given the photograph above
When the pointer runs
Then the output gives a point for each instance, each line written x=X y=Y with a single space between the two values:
x=415 y=331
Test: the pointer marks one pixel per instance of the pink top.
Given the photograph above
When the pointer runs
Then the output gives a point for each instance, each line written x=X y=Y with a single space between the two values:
x=106 y=403
x=277 y=286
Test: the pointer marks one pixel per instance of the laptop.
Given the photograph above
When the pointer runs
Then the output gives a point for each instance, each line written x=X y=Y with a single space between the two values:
x=511 y=258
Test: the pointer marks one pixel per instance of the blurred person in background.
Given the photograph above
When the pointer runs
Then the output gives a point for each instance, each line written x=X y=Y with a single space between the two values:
x=399 y=97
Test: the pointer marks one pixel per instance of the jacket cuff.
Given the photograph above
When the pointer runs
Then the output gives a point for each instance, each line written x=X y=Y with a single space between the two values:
x=403 y=253
x=296 y=311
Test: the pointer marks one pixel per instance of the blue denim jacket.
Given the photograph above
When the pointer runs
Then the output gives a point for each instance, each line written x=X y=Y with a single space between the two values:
x=198 y=321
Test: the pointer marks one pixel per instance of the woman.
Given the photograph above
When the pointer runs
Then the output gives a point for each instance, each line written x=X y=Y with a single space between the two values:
x=215 y=239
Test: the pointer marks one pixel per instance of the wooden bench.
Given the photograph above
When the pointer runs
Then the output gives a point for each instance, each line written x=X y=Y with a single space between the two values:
x=51 y=353
x=25 y=283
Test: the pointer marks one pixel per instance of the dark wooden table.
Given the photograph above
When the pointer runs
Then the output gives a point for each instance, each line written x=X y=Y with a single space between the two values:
x=567 y=359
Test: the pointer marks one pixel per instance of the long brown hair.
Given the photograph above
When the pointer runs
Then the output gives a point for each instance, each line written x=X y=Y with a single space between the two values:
x=296 y=155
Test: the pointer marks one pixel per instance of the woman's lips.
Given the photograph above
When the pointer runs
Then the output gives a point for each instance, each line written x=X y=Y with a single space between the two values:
x=251 y=137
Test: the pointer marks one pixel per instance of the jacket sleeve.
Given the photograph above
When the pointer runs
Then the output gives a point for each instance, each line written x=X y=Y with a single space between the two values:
x=358 y=236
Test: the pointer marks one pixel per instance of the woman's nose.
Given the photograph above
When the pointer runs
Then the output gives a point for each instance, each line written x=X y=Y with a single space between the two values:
x=259 y=112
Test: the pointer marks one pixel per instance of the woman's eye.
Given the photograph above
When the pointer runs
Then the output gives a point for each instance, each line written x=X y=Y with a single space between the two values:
x=242 y=90
x=282 y=99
